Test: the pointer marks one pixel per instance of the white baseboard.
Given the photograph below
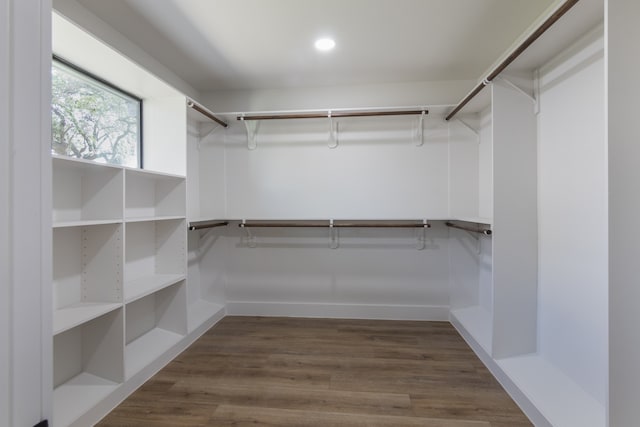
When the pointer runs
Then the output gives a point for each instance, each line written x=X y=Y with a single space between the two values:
x=338 y=311
x=529 y=409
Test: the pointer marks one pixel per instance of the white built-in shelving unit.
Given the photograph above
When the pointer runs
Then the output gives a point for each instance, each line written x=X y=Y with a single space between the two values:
x=120 y=284
x=119 y=251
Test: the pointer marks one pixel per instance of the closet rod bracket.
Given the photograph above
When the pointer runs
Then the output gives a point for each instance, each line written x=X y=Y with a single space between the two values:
x=252 y=132
x=334 y=238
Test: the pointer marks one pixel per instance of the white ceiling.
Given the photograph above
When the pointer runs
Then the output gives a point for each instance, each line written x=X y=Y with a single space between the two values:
x=259 y=44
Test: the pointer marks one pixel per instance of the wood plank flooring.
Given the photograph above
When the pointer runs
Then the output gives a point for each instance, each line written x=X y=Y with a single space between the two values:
x=319 y=373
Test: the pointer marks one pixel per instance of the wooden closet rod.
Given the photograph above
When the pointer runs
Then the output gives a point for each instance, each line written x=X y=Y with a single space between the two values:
x=336 y=224
x=199 y=225
x=206 y=113
x=473 y=230
x=516 y=53
x=334 y=114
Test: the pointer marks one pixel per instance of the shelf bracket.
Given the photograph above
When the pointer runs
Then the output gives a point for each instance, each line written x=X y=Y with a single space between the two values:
x=518 y=89
x=333 y=132
x=420 y=130
x=470 y=129
x=252 y=132
x=422 y=235
x=334 y=238
x=250 y=239
x=202 y=137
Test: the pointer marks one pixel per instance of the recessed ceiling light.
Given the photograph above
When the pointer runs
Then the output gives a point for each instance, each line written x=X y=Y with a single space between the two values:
x=325 y=44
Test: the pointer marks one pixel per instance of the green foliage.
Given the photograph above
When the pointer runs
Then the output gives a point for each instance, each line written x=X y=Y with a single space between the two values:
x=91 y=121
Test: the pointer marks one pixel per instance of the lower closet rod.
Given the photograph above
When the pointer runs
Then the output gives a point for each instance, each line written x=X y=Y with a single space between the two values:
x=335 y=225
x=199 y=225
x=473 y=230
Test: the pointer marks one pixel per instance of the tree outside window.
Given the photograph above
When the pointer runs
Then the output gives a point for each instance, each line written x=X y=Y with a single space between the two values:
x=92 y=120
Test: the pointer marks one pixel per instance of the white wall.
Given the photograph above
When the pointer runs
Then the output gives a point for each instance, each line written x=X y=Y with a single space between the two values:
x=377 y=172
x=375 y=273
x=25 y=216
x=624 y=209
x=572 y=184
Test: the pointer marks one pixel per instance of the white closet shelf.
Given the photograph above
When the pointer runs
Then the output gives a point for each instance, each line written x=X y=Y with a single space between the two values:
x=143 y=286
x=145 y=349
x=475 y=220
x=477 y=321
x=154 y=218
x=84 y=223
x=74 y=315
x=201 y=311
x=71 y=399
x=148 y=173
x=552 y=392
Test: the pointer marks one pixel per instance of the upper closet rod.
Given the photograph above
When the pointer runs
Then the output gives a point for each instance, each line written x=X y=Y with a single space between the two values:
x=333 y=114
x=473 y=230
x=517 y=52
x=206 y=113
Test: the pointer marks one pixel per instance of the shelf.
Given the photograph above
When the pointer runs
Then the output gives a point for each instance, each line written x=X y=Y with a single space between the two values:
x=154 y=324
x=69 y=317
x=201 y=311
x=155 y=218
x=85 y=223
x=153 y=195
x=477 y=321
x=71 y=399
x=87 y=266
x=86 y=191
x=475 y=220
x=553 y=392
x=143 y=286
x=147 y=348
x=88 y=364
x=155 y=248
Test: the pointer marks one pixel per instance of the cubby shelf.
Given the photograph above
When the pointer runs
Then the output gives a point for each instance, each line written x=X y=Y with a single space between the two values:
x=88 y=365
x=155 y=323
x=71 y=316
x=153 y=195
x=143 y=286
x=86 y=192
x=71 y=399
x=200 y=311
x=85 y=223
x=147 y=348
x=154 y=218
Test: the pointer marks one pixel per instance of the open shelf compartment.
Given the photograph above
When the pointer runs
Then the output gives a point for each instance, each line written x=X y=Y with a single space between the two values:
x=87 y=273
x=152 y=195
x=86 y=192
x=88 y=366
x=155 y=256
x=154 y=325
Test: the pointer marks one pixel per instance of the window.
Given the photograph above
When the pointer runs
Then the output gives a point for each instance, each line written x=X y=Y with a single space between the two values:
x=92 y=119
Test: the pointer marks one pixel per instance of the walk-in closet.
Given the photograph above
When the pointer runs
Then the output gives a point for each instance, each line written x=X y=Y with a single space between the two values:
x=490 y=198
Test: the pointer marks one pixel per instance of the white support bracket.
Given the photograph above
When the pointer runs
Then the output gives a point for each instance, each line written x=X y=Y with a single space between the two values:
x=470 y=129
x=420 y=130
x=333 y=131
x=202 y=137
x=422 y=236
x=252 y=132
x=334 y=238
x=250 y=239
x=520 y=91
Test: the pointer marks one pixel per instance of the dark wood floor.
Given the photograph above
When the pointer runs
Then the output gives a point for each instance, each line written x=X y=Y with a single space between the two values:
x=322 y=372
